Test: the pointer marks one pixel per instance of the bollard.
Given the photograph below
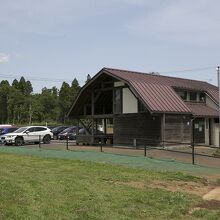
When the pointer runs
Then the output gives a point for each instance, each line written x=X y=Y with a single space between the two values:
x=67 y=143
x=193 y=143
x=145 y=150
x=39 y=141
x=135 y=142
x=101 y=145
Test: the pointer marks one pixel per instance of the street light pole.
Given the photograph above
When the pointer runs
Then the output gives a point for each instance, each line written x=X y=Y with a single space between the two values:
x=218 y=70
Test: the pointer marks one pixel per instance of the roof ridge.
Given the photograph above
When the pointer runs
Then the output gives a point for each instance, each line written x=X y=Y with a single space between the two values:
x=172 y=77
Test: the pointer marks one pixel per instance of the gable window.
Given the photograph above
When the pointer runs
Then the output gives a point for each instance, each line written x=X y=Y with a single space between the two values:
x=141 y=107
x=192 y=96
x=118 y=101
x=202 y=97
x=182 y=94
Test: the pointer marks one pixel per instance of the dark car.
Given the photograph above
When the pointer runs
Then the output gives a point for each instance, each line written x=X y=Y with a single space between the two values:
x=68 y=132
x=6 y=130
x=57 y=130
x=96 y=132
x=51 y=127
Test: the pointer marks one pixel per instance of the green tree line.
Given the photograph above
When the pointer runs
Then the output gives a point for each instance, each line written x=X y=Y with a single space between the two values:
x=19 y=105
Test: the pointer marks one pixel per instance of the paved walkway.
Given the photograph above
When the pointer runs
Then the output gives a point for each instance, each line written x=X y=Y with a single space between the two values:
x=185 y=156
x=118 y=159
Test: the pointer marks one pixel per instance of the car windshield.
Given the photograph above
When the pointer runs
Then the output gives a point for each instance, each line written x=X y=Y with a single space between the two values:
x=2 y=130
x=19 y=130
x=56 y=128
x=67 y=130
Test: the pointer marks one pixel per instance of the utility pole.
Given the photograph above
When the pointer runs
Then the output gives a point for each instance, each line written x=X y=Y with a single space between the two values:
x=218 y=70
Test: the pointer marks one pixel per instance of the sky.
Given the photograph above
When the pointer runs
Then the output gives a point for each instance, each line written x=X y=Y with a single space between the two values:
x=51 y=41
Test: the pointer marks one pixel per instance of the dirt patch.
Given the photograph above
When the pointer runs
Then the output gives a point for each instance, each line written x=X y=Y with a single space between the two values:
x=211 y=205
x=213 y=195
x=179 y=186
x=173 y=186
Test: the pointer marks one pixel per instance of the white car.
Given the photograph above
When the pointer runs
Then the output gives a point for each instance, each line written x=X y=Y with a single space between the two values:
x=29 y=134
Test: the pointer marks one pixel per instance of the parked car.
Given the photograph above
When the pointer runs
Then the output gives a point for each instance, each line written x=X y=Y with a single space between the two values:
x=57 y=130
x=96 y=132
x=5 y=130
x=29 y=134
x=68 y=132
x=51 y=127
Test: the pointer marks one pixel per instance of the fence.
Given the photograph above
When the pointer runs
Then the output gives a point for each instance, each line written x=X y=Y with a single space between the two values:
x=144 y=147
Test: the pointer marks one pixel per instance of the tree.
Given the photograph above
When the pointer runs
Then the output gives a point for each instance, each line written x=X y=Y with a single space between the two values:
x=20 y=101
x=49 y=104
x=75 y=87
x=4 y=96
x=18 y=104
x=65 y=100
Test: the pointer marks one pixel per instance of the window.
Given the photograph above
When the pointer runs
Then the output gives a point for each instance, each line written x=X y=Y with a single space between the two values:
x=216 y=120
x=12 y=130
x=202 y=97
x=182 y=94
x=118 y=101
x=40 y=129
x=193 y=96
x=31 y=129
x=1 y=130
x=141 y=107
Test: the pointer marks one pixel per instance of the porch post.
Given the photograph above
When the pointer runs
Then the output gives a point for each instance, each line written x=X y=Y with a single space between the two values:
x=163 y=123
x=93 y=110
x=218 y=73
x=77 y=127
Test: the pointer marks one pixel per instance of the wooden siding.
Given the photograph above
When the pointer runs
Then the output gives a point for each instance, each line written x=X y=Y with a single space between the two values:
x=177 y=128
x=128 y=127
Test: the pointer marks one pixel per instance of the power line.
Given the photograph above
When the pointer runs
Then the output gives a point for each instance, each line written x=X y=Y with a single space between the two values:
x=42 y=79
x=190 y=70
x=9 y=76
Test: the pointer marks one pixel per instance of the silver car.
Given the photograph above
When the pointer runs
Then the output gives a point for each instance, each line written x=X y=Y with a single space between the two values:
x=31 y=134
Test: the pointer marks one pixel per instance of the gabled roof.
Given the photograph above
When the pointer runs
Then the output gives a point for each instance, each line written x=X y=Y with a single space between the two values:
x=174 y=82
x=157 y=91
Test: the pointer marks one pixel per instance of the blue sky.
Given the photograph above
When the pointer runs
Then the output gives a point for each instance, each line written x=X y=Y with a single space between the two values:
x=63 y=39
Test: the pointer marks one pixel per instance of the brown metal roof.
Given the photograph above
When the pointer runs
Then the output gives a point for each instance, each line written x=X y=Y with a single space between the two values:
x=165 y=80
x=160 y=98
x=202 y=110
x=213 y=93
x=156 y=91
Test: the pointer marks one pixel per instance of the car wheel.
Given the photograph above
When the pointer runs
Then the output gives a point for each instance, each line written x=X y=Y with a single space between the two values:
x=46 y=139
x=19 y=141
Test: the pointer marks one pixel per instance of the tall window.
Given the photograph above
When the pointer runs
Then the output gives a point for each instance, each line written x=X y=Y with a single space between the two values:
x=193 y=96
x=202 y=97
x=118 y=101
x=182 y=94
x=141 y=107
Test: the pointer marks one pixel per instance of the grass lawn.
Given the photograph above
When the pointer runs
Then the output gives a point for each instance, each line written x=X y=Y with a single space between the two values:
x=47 y=188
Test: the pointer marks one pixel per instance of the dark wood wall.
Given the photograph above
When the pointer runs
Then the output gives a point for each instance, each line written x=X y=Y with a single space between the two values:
x=141 y=126
x=177 y=128
x=199 y=130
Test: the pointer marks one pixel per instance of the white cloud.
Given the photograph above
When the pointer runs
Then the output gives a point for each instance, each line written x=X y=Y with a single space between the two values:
x=4 y=58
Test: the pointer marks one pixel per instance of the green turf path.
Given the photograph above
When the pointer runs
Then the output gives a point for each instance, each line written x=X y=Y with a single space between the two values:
x=129 y=161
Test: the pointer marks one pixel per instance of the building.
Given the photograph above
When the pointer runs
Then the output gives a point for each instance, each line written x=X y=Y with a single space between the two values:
x=127 y=105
